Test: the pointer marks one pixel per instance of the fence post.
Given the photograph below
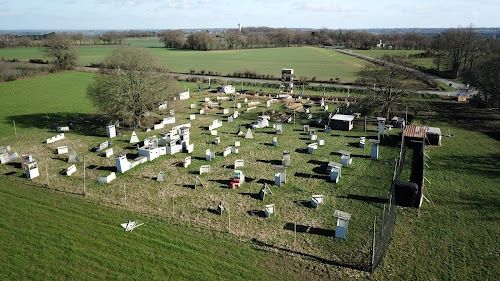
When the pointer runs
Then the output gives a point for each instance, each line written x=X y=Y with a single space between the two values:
x=84 y=189
x=373 y=245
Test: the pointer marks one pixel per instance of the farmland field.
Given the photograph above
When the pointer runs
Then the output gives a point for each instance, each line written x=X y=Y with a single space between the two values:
x=423 y=62
x=457 y=242
x=307 y=61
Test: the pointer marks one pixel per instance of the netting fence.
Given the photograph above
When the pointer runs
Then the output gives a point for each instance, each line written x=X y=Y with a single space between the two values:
x=384 y=232
x=383 y=235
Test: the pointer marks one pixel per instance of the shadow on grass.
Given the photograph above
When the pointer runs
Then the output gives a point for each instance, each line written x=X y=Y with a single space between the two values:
x=365 y=198
x=356 y=266
x=251 y=195
x=485 y=165
x=223 y=183
x=213 y=211
x=83 y=124
x=272 y=162
x=309 y=176
x=303 y=203
x=257 y=213
x=263 y=181
x=309 y=229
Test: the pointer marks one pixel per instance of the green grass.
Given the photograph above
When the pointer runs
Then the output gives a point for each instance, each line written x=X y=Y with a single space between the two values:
x=307 y=61
x=379 y=53
x=458 y=242
x=62 y=94
x=423 y=62
x=48 y=235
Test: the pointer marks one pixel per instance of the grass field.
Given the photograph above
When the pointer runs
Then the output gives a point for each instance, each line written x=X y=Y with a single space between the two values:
x=307 y=61
x=47 y=235
x=31 y=99
x=458 y=242
x=423 y=62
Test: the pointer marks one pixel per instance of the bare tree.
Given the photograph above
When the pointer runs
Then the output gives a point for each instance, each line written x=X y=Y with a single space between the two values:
x=172 y=38
x=58 y=47
x=200 y=41
x=78 y=37
x=130 y=83
x=485 y=75
x=460 y=47
x=390 y=79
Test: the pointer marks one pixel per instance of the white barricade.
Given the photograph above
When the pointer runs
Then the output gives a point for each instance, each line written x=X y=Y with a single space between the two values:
x=204 y=169
x=71 y=169
x=107 y=179
x=226 y=152
x=169 y=120
x=239 y=163
x=62 y=149
x=56 y=138
x=108 y=153
x=187 y=161
x=269 y=209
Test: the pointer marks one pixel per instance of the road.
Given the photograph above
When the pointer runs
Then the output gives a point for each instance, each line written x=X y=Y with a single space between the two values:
x=458 y=86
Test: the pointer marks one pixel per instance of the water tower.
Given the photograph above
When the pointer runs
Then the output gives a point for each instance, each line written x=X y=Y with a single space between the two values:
x=239 y=26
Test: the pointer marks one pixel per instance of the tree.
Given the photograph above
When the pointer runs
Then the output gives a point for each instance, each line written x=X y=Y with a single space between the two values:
x=460 y=48
x=130 y=83
x=200 y=41
x=172 y=38
x=485 y=75
x=390 y=79
x=58 y=47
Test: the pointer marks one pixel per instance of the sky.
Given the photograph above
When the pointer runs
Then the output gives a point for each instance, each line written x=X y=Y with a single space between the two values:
x=191 y=14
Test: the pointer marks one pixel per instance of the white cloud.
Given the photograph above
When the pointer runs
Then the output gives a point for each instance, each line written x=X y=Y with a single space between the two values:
x=320 y=6
x=127 y=3
x=180 y=4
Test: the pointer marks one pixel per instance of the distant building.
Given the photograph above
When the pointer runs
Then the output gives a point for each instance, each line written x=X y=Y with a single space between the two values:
x=380 y=45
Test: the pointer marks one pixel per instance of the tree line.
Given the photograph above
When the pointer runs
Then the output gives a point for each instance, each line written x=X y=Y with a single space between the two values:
x=78 y=38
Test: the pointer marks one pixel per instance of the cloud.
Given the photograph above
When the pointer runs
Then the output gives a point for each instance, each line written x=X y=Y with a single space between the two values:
x=182 y=4
x=323 y=7
x=126 y=3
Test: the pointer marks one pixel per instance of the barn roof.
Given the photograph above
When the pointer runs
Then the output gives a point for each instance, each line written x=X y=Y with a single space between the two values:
x=415 y=132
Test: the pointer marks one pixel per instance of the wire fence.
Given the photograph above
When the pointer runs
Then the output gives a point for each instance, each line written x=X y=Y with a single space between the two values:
x=384 y=233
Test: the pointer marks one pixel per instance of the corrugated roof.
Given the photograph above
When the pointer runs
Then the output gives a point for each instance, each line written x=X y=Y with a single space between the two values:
x=343 y=117
x=415 y=132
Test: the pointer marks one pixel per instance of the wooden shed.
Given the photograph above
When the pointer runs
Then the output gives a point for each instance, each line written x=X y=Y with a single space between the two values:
x=342 y=122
